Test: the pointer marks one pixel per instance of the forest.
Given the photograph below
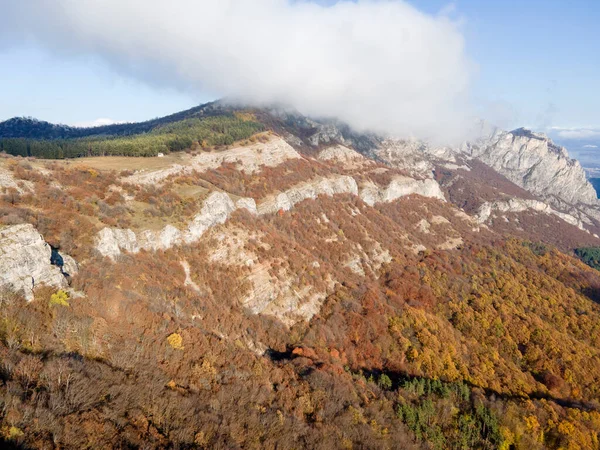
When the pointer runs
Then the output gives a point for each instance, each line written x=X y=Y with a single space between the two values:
x=590 y=256
x=203 y=132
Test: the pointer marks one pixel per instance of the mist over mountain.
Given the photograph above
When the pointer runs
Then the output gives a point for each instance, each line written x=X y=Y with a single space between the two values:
x=380 y=66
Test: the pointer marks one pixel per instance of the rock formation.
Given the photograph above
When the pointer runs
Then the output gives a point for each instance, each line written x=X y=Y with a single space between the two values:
x=516 y=205
x=247 y=159
x=218 y=207
x=285 y=201
x=25 y=261
x=400 y=187
x=535 y=163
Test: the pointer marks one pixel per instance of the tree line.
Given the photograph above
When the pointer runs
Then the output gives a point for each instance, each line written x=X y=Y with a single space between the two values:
x=177 y=136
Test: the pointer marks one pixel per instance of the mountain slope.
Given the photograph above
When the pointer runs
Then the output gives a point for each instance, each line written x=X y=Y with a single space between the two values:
x=304 y=286
x=22 y=127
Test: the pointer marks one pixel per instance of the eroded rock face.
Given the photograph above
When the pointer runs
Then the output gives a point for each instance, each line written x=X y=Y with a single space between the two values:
x=409 y=155
x=344 y=155
x=535 y=163
x=516 y=205
x=248 y=159
x=340 y=184
x=278 y=296
x=400 y=187
x=218 y=207
x=216 y=210
x=25 y=261
x=7 y=180
x=110 y=241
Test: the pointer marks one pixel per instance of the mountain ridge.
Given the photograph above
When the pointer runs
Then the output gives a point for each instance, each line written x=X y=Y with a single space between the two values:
x=301 y=285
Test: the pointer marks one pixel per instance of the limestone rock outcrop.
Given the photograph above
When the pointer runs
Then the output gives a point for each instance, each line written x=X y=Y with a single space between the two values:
x=344 y=155
x=7 y=181
x=533 y=162
x=516 y=205
x=416 y=157
x=25 y=261
x=216 y=210
x=285 y=201
x=219 y=206
x=400 y=187
x=248 y=159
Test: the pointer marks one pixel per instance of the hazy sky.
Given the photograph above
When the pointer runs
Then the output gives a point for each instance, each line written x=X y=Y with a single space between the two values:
x=516 y=63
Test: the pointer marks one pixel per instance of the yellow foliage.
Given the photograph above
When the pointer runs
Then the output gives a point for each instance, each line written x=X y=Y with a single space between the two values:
x=60 y=298
x=566 y=428
x=531 y=423
x=357 y=416
x=508 y=438
x=412 y=354
x=175 y=341
x=201 y=439
x=12 y=432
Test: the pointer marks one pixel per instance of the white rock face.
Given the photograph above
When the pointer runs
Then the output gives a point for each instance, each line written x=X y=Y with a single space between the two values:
x=516 y=205
x=25 y=261
x=340 y=184
x=216 y=210
x=248 y=159
x=218 y=207
x=400 y=187
x=277 y=296
x=247 y=203
x=535 y=163
x=415 y=157
x=110 y=241
x=351 y=159
x=409 y=155
x=188 y=278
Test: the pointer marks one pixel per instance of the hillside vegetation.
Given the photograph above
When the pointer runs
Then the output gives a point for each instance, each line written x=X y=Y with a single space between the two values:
x=132 y=140
x=275 y=296
x=492 y=345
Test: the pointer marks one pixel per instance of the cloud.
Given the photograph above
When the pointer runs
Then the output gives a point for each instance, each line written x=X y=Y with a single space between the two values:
x=378 y=65
x=577 y=133
x=96 y=123
x=590 y=146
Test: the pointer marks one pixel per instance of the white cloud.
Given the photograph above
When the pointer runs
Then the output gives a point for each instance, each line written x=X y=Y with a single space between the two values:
x=590 y=146
x=96 y=123
x=577 y=133
x=379 y=65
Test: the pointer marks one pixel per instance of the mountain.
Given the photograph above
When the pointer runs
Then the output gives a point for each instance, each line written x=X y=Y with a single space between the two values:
x=279 y=281
x=25 y=127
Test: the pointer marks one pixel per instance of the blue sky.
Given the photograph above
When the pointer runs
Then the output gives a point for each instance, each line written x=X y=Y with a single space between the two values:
x=537 y=65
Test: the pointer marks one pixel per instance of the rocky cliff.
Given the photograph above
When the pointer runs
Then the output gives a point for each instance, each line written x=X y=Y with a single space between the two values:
x=25 y=261
x=532 y=161
x=528 y=159
x=216 y=209
x=219 y=206
x=516 y=205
